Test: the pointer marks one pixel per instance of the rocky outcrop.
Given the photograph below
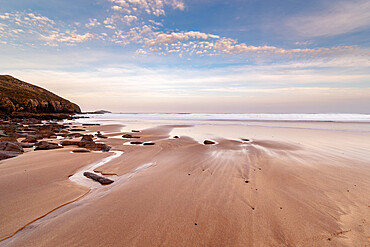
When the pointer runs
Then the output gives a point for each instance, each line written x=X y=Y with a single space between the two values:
x=19 y=96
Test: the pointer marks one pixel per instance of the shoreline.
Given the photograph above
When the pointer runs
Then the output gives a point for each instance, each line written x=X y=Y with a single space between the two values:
x=230 y=190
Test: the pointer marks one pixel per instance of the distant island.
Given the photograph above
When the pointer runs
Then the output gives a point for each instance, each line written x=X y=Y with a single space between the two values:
x=97 y=112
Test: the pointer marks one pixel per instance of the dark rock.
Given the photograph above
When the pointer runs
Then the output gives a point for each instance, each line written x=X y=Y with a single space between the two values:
x=97 y=178
x=136 y=143
x=95 y=146
x=87 y=138
x=11 y=147
x=68 y=143
x=246 y=140
x=90 y=124
x=77 y=130
x=8 y=139
x=82 y=150
x=26 y=145
x=99 y=135
x=130 y=136
x=32 y=138
x=8 y=154
x=43 y=145
x=208 y=142
x=135 y=131
x=2 y=133
x=4 y=155
x=149 y=144
x=75 y=135
x=105 y=148
x=176 y=137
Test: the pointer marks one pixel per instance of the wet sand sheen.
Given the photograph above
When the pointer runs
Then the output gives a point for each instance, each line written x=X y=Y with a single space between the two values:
x=263 y=193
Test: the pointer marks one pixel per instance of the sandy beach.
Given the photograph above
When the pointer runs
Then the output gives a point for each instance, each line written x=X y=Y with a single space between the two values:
x=289 y=184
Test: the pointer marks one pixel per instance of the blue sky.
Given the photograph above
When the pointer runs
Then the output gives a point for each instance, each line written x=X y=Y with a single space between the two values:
x=193 y=56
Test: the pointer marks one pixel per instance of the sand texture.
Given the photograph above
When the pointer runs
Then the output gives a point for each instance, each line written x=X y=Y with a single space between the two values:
x=285 y=190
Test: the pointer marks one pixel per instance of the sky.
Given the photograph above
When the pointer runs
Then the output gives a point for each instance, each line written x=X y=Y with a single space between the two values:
x=210 y=56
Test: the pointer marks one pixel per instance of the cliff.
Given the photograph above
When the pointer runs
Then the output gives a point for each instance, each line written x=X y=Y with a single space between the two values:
x=20 y=96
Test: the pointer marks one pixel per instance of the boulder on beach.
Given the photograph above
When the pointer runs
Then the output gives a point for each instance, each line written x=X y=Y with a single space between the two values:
x=97 y=178
x=44 y=145
x=8 y=154
x=8 y=139
x=99 y=135
x=149 y=144
x=81 y=150
x=69 y=143
x=135 y=131
x=176 y=137
x=87 y=138
x=95 y=146
x=32 y=138
x=11 y=147
x=26 y=145
x=208 y=142
x=87 y=124
x=74 y=135
x=77 y=130
x=130 y=136
x=136 y=143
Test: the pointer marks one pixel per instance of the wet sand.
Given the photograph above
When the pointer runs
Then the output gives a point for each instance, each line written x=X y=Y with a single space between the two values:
x=291 y=186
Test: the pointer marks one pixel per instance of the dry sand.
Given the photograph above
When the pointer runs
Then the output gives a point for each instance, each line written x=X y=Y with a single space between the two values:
x=300 y=187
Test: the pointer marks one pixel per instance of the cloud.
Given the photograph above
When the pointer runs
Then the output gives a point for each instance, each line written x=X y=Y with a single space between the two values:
x=5 y=16
x=146 y=34
x=154 y=7
x=163 y=38
x=340 y=18
x=114 y=20
x=69 y=37
x=275 y=87
x=134 y=35
x=92 y=23
x=41 y=19
x=156 y=23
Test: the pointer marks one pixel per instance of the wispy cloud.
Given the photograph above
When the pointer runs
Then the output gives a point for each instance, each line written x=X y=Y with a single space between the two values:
x=265 y=87
x=339 y=18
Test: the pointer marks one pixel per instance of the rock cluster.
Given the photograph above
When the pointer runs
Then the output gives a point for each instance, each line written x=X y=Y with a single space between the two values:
x=87 y=142
x=17 y=134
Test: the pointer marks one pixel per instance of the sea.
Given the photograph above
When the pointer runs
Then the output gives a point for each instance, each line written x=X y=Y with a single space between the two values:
x=332 y=117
